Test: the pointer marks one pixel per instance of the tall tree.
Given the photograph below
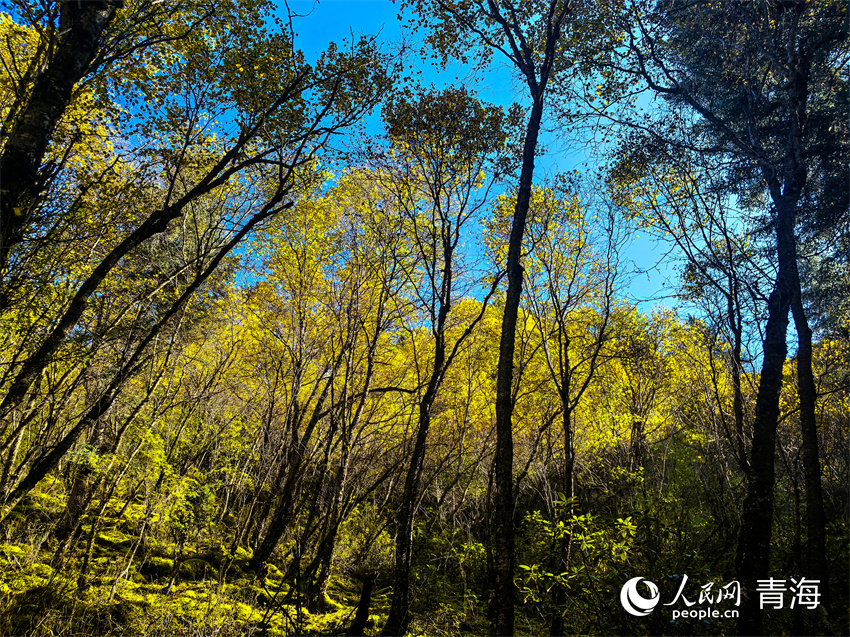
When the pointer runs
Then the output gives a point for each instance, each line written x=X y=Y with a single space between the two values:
x=682 y=198
x=337 y=266
x=229 y=118
x=447 y=151
x=70 y=44
x=761 y=79
x=572 y=272
x=530 y=35
x=29 y=126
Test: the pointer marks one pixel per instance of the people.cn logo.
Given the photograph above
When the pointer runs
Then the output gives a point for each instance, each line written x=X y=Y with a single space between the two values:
x=635 y=603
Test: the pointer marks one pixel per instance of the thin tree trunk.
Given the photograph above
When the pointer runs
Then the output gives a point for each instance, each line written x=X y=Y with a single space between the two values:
x=734 y=318
x=398 y=618
x=559 y=593
x=285 y=510
x=10 y=462
x=503 y=526
x=815 y=546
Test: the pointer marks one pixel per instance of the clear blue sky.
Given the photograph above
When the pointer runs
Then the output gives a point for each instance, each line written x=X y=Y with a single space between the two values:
x=317 y=24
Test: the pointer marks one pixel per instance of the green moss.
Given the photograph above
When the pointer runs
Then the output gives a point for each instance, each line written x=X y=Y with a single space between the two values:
x=115 y=540
x=137 y=577
x=195 y=569
x=10 y=549
x=157 y=568
x=330 y=605
x=273 y=572
x=41 y=570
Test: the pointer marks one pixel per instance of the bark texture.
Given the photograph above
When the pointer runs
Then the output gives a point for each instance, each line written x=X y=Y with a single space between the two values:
x=82 y=26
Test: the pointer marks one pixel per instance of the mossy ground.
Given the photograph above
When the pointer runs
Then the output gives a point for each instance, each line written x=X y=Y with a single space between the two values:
x=136 y=589
x=36 y=599
x=130 y=591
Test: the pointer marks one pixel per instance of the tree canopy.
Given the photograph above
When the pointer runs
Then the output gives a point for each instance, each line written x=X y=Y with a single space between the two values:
x=296 y=345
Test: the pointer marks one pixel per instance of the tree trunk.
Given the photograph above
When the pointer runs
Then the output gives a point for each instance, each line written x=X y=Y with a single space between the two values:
x=757 y=520
x=734 y=319
x=559 y=593
x=398 y=618
x=317 y=589
x=785 y=191
x=815 y=546
x=81 y=29
x=80 y=494
x=284 y=512
x=12 y=456
x=358 y=626
x=503 y=526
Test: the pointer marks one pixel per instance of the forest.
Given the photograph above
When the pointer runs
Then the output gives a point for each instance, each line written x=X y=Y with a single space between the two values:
x=298 y=343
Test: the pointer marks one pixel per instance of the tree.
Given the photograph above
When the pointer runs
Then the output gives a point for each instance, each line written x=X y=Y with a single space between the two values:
x=681 y=198
x=56 y=51
x=218 y=151
x=572 y=271
x=530 y=36
x=760 y=81
x=446 y=151
x=334 y=271
x=32 y=120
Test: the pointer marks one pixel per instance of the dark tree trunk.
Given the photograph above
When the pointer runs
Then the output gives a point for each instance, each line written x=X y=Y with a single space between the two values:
x=815 y=546
x=757 y=520
x=81 y=29
x=398 y=618
x=358 y=626
x=785 y=191
x=279 y=524
x=559 y=593
x=81 y=489
x=295 y=472
x=7 y=477
x=78 y=500
x=503 y=523
x=293 y=468
x=318 y=589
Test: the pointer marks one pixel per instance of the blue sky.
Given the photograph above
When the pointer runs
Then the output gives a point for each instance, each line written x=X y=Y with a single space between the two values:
x=337 y=20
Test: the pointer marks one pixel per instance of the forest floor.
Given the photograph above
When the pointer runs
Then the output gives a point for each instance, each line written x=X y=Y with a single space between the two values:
x=146 y=597
x=135 y=589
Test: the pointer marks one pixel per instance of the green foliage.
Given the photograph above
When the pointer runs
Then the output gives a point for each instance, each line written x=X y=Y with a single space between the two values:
x=599 y=551
x=199 y=401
